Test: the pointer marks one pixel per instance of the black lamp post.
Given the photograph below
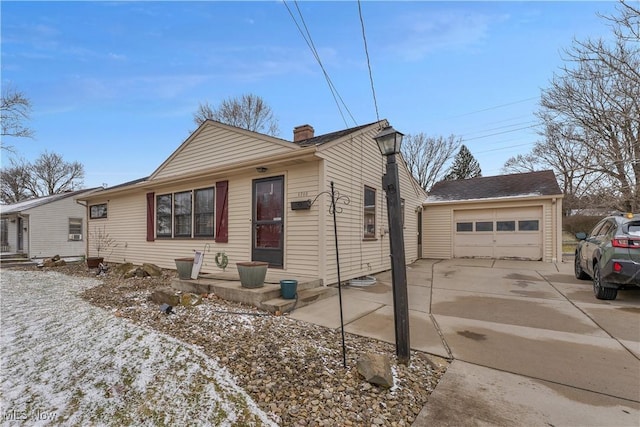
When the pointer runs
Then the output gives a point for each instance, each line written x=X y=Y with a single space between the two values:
x=389 y=141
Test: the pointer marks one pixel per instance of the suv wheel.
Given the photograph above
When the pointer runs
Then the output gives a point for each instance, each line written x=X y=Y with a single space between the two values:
x=580 y=274
x=600 y=291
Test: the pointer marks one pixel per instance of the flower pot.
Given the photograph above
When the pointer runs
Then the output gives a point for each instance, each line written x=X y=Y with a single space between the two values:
x=288 y=288
x=94 y=261
x=252 y=273
x=184 y=267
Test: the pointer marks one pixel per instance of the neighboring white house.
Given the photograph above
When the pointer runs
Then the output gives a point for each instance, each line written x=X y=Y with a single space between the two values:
x=506 y=216
x=45 y=226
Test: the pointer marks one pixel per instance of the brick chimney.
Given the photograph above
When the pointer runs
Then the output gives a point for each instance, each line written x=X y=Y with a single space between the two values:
x=300 y=133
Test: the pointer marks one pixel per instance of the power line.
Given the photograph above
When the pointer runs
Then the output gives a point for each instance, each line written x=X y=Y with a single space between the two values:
x=499 y=133
x=492 y=108
x=310 y=44
x=533 y=123
x=504 y=148
x=366 y=51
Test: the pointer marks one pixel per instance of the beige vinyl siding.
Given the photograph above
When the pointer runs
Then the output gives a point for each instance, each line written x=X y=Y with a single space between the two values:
x=214 y=147
x=345 y=167
x=352 y=165
x=301 y=243
x=126 y=223
x=48 y=229
x=437 y=223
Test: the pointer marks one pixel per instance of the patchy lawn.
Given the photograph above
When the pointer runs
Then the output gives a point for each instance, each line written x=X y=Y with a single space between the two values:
x=67 y=362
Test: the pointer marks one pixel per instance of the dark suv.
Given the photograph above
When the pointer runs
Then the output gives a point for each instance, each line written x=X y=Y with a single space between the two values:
x=610 y=255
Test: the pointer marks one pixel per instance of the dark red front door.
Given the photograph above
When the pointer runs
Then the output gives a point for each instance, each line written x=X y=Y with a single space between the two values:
x=268 y=221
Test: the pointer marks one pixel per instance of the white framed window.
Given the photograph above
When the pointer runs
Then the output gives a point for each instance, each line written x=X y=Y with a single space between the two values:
x=98 y=211
x=369 y=213
x=75 y=229
x=186 y=213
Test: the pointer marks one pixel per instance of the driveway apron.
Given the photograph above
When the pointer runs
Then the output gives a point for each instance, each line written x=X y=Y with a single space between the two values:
x=530 y=343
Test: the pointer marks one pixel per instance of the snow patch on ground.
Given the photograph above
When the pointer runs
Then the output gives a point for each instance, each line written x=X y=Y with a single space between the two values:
x=64 y=361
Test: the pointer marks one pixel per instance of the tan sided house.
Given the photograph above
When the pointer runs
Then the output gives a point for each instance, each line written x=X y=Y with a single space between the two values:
x=259 y=198
x=507 y=216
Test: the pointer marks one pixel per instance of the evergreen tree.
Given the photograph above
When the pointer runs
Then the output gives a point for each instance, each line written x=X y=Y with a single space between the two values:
x=464 y=166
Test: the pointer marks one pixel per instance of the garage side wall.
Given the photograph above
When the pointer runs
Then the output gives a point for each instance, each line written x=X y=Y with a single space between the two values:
x=437 y=233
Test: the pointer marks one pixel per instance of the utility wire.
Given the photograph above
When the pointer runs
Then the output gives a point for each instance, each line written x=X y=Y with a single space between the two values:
x=505 y=148
x=366 y=51
x=498 y=133
x=492 y=108
x=530 y=122
x=307 y=38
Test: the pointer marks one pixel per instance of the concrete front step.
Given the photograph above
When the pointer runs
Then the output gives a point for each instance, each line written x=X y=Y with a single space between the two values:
x=304 y=297
x=20 y=263
x=15 y=260
x=267 y=297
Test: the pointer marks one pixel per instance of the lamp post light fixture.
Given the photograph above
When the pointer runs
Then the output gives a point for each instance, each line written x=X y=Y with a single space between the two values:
x=389 y=141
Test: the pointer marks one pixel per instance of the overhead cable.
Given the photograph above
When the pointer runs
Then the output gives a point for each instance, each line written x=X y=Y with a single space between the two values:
x=307 y=38
x=366 y=51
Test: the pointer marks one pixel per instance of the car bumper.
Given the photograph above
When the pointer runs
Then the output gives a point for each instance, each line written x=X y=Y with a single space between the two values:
x=628 y=275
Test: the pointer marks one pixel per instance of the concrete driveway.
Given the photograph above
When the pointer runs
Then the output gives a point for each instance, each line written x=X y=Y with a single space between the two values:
x=530 y=344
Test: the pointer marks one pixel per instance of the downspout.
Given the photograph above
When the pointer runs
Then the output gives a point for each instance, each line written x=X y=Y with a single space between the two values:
x=554 y=226
x=86 y=216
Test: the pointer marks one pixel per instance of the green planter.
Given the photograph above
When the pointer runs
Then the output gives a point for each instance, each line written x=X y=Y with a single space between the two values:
x=288 y=288
x=252 y=273
x=184 y=267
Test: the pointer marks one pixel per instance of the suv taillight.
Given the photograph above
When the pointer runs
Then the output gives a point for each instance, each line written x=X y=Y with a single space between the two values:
x=626 y=243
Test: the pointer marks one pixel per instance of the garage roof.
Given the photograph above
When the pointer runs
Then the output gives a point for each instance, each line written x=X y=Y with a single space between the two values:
x=533 y=184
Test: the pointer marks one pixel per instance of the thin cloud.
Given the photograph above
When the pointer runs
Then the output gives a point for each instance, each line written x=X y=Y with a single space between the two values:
x=428 y=33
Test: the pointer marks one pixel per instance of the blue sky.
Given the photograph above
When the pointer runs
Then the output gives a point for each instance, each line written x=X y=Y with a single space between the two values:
x=114 y=85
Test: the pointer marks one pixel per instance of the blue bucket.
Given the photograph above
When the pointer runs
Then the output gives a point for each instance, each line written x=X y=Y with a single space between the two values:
x=288 y=288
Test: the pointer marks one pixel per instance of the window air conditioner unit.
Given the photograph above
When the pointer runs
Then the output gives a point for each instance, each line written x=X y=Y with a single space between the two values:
x=75 y=236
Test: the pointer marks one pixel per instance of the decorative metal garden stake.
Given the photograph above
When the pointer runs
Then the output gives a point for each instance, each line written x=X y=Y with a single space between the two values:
x=335 y=232
x=389 y=141
x=335 y=197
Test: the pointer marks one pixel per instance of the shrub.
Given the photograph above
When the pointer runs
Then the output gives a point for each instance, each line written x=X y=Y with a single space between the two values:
x=576 y=223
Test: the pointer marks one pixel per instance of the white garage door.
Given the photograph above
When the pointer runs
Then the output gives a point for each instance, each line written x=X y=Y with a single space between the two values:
x=498 y=233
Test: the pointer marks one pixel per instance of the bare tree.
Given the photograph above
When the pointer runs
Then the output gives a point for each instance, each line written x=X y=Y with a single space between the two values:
x=598 y=92
x=426 y=156
x=249 y=112
x=50 y=174
x=15 y=109
x=14 y=182
x=562 y=151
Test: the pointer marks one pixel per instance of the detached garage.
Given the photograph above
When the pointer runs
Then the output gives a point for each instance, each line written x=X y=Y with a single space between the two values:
x=515 y=216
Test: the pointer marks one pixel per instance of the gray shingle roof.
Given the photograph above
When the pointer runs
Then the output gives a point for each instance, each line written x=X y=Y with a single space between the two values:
x=32 y=203
x=328 y=137
x=541 y=183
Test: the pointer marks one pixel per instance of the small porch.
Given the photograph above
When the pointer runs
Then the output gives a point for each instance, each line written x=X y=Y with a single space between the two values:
x=226 y=285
